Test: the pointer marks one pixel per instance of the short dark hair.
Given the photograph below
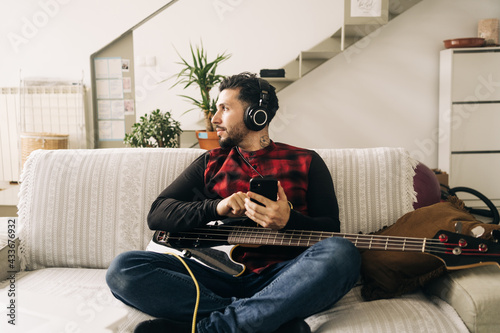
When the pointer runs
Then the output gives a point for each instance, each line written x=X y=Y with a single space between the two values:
x=250 y=90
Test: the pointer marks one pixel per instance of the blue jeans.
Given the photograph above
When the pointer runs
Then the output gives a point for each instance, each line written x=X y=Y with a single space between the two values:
x=159 y=285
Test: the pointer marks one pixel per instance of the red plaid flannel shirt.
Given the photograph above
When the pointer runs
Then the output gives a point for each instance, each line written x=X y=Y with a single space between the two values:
x=227 y=173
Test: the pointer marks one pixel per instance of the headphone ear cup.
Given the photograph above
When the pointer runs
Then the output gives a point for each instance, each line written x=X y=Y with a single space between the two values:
x=255 y=118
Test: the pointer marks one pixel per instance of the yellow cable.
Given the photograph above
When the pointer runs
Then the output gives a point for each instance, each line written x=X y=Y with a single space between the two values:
x=193 y=328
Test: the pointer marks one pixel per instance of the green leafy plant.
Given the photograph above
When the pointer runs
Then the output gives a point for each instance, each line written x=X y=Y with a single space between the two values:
x=157 y=129
x=202 y=74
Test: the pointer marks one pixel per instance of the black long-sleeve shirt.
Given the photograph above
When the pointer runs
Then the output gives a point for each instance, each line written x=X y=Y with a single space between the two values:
x=190 y=201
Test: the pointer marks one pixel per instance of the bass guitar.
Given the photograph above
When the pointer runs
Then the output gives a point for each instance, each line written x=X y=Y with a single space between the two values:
x=212 y=245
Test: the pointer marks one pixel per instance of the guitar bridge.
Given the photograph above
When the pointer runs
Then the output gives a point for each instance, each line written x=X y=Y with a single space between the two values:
x=162 y=236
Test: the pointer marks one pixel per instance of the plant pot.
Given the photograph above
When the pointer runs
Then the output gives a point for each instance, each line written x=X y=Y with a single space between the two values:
x=207 y=140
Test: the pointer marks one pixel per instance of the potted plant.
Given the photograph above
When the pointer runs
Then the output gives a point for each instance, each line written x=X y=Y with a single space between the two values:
x=201 y=73
x=157 y=129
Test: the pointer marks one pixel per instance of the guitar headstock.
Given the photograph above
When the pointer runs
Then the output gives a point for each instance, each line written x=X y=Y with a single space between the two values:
x=460 y=251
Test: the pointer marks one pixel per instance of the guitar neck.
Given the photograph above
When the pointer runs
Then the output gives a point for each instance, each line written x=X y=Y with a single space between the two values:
x=303 y=238
x=455 y=250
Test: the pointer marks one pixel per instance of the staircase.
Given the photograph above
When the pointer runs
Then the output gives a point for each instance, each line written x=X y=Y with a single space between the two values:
x=353 y=30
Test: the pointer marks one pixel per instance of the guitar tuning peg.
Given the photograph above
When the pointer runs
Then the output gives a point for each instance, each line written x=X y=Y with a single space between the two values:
x=458 y=227
x=477 y=231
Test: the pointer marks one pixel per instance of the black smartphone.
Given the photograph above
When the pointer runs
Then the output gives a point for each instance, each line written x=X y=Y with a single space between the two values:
x=265 y=186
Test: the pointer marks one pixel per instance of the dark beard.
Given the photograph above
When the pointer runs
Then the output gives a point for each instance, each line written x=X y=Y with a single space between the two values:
x=228 y=143
x=235 y=137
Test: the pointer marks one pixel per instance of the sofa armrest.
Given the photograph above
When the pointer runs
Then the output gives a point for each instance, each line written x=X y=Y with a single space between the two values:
x=8 y=263
x=474 y=293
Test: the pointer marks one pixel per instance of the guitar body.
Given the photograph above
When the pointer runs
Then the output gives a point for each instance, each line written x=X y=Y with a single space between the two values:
x=215 y=256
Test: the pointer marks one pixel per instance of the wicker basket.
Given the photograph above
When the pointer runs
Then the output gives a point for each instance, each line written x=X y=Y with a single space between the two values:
x=34 y=141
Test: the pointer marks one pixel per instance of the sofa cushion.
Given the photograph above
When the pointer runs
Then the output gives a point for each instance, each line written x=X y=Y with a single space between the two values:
x=473 y=294
x=82 y=290
x=87 y=290
x=81 y=208
x=409 y=313
x=426 y=186
x=374 y=186
x=389 y=273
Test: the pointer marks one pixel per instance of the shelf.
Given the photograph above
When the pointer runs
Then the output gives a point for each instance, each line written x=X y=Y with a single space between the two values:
x=358 y=31
x=476 y=152
x=317 y=55
x=475 y=102
x=475 y=49
x=353 y=29
x=469 y=116
x=280 y=79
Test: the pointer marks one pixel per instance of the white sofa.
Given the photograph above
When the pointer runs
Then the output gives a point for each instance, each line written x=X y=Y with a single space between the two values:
x=78 y=209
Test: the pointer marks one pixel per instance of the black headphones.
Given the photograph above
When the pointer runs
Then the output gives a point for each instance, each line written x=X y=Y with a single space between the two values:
x=256 y=116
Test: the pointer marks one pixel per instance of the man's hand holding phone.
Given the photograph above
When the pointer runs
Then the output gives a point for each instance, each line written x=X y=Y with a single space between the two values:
x=267 y=212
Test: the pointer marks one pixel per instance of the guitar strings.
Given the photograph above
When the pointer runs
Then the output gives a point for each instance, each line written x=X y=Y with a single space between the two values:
x=254 y=236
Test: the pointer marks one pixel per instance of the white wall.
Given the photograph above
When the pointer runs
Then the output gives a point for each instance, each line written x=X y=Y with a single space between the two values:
x=383 y=91
x=258 y=33
x=55 y=38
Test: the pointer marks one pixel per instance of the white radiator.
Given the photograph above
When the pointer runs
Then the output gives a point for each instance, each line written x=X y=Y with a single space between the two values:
x=9 y=134
x=57 y=109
